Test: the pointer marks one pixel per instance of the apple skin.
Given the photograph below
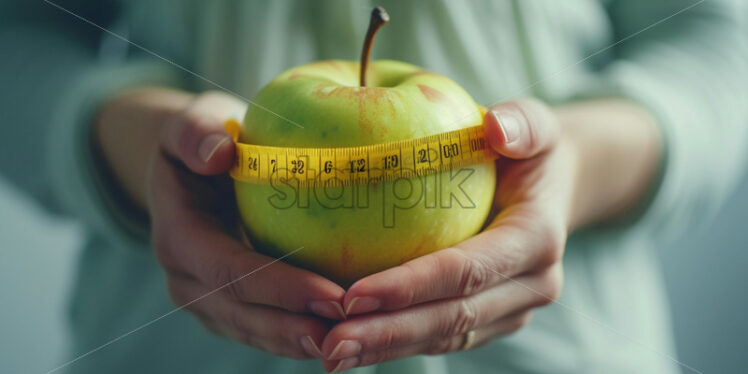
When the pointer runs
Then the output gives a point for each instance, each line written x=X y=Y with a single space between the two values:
x=400 y=102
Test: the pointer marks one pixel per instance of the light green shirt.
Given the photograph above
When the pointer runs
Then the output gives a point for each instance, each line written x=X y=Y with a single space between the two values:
x=612 y=317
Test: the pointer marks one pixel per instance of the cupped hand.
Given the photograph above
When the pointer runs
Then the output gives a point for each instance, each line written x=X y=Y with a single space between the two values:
x=210 y=269
x=486 y=286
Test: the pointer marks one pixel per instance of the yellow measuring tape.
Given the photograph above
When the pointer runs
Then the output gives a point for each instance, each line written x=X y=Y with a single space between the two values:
x=345 y=166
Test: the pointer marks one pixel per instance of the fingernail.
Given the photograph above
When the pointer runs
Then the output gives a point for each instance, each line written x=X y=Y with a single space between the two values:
x=346 y=364
x=509 y=126
x=310 y=347
x=210 y=145
x=327 y=309
x=344 y=349
x=364 y=304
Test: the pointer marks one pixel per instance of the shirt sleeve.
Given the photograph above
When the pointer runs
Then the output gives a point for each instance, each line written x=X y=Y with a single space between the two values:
x=61 y=70
x=686 y=62
x=41 y=53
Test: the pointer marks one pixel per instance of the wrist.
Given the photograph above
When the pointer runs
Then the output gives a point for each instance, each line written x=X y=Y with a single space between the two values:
x=127 y=129
x=572 y=156
x=617 y=149
x=579 y=142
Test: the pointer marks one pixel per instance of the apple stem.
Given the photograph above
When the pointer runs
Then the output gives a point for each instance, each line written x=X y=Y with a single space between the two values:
x=379 y=18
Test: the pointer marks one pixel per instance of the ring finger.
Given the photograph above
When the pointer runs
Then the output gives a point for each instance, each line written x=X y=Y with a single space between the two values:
x=440 y=319
x=441 y=345
x=271 y=329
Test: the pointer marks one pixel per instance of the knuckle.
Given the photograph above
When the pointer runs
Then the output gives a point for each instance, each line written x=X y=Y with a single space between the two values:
x=551 y=282
x=175 y=294
x=525 y=318
x=273 y=349
x=372 y=358
x=465 y=319
x=223 y=276
x=551 y=254
x=219 y=276
x=239 y=325
x=285 y=301
x=440 y=346
x=474 y=276
x=553 y=248
x=161 y=250
x=519 y=322
x=378 y=357
x=234 y=289
x=407 y=295
x=191 y=128
x=163 y=243
x=184 y=134
x=540 y=119
x=208 y=325
x=388 y=338
x=228 y=277
x=290 y=330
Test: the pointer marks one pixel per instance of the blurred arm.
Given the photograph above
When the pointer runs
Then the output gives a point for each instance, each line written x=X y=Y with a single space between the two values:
x=618 y=148
x=58 y=84
x=42 y=53
x=689 y=71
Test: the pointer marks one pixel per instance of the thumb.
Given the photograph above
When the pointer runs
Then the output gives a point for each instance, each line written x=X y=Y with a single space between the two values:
x=521 y=129
x=197 y=138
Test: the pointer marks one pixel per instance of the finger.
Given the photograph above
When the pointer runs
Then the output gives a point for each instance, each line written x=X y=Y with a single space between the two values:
x=518 y=242
x=483 y=335
x=197 y=138
x=521 y=129
x=191 y=242
x=272 y=330
x=441 y=319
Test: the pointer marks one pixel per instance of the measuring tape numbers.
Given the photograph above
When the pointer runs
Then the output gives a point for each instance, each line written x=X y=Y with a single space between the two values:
x=370 y=164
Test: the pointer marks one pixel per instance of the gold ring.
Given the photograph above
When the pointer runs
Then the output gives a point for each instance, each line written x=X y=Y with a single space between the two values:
x=469 y=340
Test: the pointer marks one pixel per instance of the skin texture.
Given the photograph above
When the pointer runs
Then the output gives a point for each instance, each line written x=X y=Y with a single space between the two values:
x=488 y=283
x=549 y=183
x=560 y=170
x=182 y=184
x=353 y=236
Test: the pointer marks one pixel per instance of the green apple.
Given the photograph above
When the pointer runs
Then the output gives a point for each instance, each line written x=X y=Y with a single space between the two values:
x=346 y=233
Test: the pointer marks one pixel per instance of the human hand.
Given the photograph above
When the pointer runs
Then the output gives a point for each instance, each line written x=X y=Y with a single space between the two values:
x=486 y=286
x=233 y=290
